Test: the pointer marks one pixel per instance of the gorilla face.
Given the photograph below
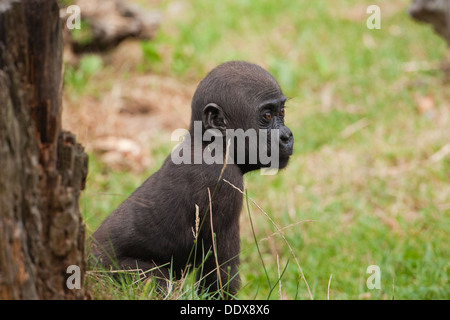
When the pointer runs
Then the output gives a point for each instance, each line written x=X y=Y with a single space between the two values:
x=244 y=101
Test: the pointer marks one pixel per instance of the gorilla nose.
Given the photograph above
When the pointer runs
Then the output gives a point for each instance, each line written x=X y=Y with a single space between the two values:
x=287 y=139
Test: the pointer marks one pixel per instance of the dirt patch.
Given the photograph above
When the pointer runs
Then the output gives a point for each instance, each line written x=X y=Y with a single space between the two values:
x=118 y=122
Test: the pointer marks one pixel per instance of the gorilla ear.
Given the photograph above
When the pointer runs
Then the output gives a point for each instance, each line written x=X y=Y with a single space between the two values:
x=213 y=117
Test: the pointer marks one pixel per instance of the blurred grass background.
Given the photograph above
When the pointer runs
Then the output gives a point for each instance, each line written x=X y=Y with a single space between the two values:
x=368 y=167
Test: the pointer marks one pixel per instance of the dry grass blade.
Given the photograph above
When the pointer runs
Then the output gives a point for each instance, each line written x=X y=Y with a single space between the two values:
x=291 y=251
x=284 y=228
x=329 y=284
x=214 y=244
x=440 y=154
x=140 y=273
x=197 y=223
x=226 y=159
x=393 y=289
x=279 y=277
x=139 y=200
x=355 y=127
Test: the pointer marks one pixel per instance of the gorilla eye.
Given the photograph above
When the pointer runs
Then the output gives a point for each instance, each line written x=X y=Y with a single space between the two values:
x=282 y=112
x=268 y=116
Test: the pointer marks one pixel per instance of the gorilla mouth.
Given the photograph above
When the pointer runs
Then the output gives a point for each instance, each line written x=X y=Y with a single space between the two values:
x=283 y=162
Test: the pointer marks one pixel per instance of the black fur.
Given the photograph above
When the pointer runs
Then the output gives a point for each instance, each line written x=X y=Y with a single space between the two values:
x=154 y=226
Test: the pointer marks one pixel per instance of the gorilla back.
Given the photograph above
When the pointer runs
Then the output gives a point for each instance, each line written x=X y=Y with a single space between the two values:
x=154 y=228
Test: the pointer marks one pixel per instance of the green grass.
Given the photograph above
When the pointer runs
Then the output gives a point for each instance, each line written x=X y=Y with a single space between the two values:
x=375 y=195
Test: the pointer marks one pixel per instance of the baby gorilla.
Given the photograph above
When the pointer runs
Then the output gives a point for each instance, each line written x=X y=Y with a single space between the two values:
x=154 y=228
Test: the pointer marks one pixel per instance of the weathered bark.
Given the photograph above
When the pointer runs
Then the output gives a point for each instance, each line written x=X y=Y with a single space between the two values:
x=42 y=169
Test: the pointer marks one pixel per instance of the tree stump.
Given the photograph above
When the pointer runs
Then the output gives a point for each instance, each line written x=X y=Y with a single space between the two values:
x=42 y=168
x=435 y=12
